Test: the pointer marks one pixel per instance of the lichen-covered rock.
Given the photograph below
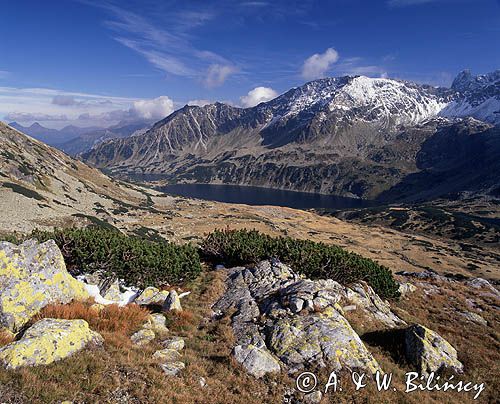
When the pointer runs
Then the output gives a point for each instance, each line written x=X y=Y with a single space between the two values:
x=167 y=355
x=474 y=317
x=282 y=320
x=257 y=361
x=112 y=292
x=47 y=341
x=152 y=295
x=33 y=275
x=176 y=343
x=406 y=288
x=429 y=351
x=325 y=338
x=363 y=296
x=173 y=368
x=157 y=323
x=172 y=302
x=143 y=337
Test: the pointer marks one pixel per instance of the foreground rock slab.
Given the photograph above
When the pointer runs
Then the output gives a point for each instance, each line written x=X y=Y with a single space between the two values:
x=33 y=275
x=282 y=320
x=49 y=340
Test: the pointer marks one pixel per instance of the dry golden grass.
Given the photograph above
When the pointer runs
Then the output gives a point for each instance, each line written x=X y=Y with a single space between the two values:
x=5 y=338
x=113 y=319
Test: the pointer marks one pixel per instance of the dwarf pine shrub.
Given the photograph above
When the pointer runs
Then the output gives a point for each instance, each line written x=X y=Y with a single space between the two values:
x=314 y=260
x=139 y=262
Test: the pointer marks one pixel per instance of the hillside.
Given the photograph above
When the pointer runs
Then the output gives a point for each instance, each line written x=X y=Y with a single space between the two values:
x=349 y=136
x=43 y=187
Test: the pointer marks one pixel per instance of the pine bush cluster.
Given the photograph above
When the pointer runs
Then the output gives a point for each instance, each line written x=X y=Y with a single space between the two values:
x=314 y=260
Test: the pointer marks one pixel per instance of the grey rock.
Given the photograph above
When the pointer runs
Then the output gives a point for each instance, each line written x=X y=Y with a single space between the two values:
x=143 y=337
x=32 y=276
x=167 y=355
x=157 y=323
x=172 y=302
x=406 y=288
x=173 y=368
x=474 y=317
x=176 y=343
x=270 y=335
x=480 y=283
x=313 y=398
x=429 y=351
x=152 y=295
x=362 y=295
x=257 y=361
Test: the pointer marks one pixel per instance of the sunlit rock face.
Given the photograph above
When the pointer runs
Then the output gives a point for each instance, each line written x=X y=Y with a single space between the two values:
x=33 y=275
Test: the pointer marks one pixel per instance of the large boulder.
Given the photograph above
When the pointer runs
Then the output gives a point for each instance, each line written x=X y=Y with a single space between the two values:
x=429 y=351
x=33 y=275
x=49 y=340
x=283 y=321
x=325 y=338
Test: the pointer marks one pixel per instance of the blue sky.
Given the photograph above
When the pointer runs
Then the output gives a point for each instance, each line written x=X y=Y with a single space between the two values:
x=96 y=62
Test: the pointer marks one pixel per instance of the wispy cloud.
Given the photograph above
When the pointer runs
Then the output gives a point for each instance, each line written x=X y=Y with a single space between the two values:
x=4 y=74
x=404 y=3
x=169 y=49
x=357 y=66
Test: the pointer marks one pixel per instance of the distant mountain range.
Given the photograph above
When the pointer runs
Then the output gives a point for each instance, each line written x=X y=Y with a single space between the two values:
x=351 y=136
x=74 y=140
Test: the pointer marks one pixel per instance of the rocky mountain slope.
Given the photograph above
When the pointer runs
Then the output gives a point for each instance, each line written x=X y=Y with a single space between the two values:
x=43 y=187
x=350 y=136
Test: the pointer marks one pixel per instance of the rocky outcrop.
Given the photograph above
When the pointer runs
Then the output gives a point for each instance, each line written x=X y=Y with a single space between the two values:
x=363 y=296
x=49 y=340
x=429 y=351
x=284 y=321
x=33 y=275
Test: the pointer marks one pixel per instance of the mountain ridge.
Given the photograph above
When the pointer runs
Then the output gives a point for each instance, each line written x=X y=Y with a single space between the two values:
x=350 y=136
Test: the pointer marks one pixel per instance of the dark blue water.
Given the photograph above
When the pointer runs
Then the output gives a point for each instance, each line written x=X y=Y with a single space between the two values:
x=263 y=196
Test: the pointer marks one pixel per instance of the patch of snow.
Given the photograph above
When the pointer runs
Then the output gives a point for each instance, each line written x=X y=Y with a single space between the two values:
x=127 y=296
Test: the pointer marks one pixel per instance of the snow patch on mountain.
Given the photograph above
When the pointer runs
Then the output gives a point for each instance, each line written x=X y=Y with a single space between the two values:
x=389 y=100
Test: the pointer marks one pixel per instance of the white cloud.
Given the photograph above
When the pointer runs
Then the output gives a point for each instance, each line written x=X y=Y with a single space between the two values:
x=217 y=74
x=61 y=108
x=156 y=108
x=317 y=65
x=199 y=103
x=258 y=95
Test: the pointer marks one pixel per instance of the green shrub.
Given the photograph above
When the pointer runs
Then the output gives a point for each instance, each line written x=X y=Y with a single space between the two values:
x=139 y=262
x=314 y=260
